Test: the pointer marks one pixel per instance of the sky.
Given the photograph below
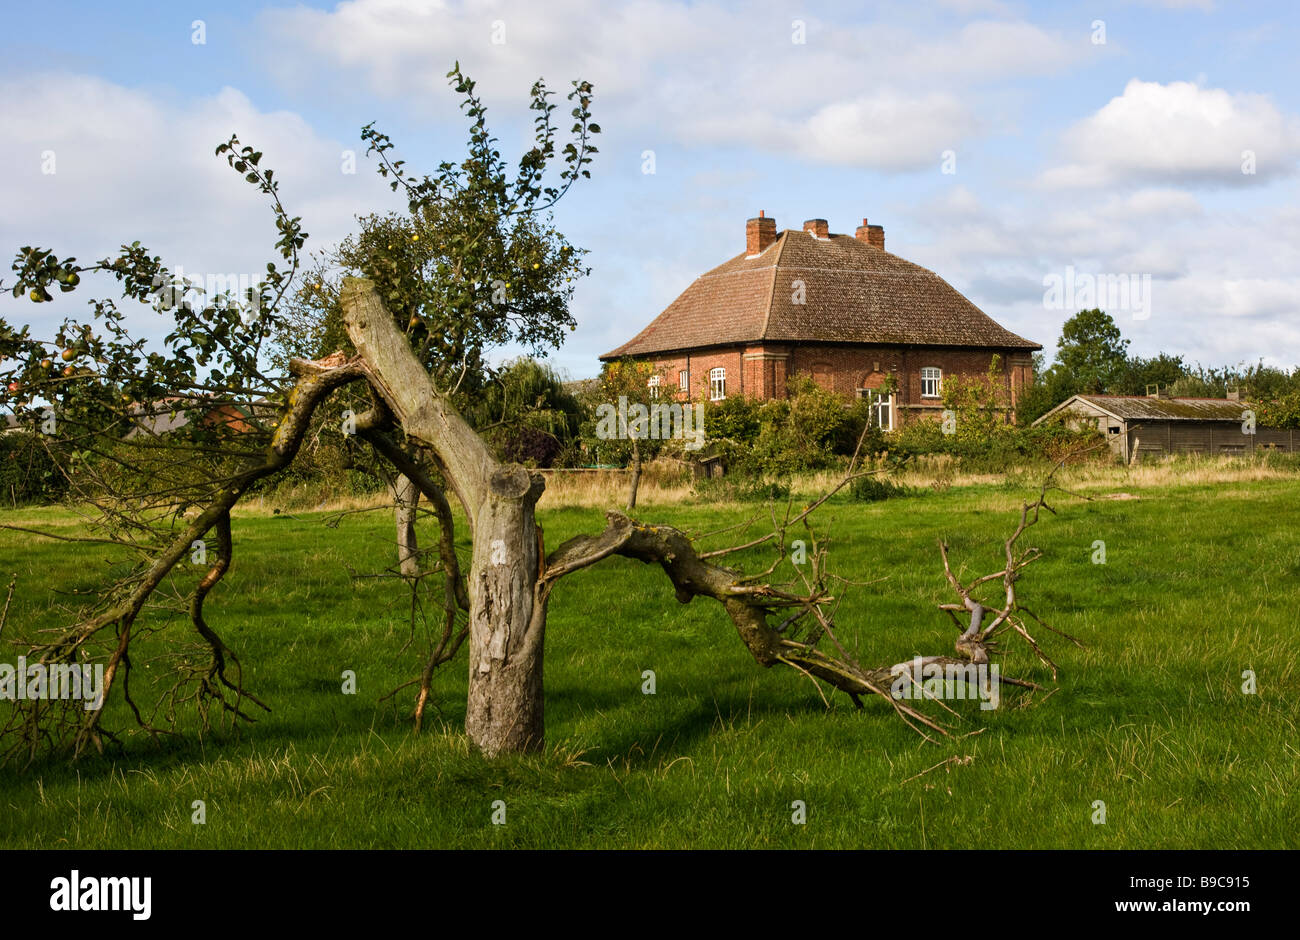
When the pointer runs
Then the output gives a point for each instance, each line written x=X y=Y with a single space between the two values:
x=1021 y=150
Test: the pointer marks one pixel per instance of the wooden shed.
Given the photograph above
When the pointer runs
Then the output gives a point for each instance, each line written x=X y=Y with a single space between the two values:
x=1154 y=425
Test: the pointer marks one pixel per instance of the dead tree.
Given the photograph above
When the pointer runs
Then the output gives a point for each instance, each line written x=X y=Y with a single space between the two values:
x=407 y=364
x=507 y=588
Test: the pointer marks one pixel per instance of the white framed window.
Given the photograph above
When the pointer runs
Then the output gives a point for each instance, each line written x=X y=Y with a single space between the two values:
x=931 y=379
x=684 y=380
x=882 y=412
x=653 y=385
x=717 y=384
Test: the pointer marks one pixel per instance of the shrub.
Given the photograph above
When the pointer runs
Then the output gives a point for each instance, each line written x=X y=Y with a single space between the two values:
x=810 y=430
x=28 y=471
x=872 y=489
x=733 y=419
x=737 y=488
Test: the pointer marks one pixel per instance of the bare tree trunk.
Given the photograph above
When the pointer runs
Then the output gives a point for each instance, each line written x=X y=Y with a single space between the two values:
x=406 y=500
x=636 y=475
x=507 y=598
x=507 y=619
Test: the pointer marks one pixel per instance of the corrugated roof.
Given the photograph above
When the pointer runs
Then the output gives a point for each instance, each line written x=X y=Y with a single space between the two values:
x=852 y=293
x=1140 y=408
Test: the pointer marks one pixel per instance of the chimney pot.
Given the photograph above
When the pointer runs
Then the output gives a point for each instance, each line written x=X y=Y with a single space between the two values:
x=759 y=234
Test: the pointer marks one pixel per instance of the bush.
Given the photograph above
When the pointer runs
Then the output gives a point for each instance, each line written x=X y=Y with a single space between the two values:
x=531 y=417
x=733 y=419
x=814 y=429
x=735 y=488
x=874 y=488
x=28 y=471
x=810 y=430
x=990 y=448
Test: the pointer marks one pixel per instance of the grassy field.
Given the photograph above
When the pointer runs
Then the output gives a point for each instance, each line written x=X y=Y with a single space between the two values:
x=1201 y=583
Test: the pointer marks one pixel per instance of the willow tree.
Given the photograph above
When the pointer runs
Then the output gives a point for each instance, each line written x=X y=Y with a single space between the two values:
x=165 y=498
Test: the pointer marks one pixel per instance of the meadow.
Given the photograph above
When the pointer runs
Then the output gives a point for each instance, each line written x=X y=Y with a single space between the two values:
x=1200 y=584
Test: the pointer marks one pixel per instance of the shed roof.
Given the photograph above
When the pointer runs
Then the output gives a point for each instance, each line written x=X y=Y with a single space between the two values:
x=1145 y=408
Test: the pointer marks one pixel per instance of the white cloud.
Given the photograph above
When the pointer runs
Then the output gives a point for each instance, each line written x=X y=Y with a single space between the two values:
x=991 y=49
x=698 y=73
x=1179 y=133
x=884 y=130
x=967 y=7
x=130 y=166
x=1269 y=297
x=1223 y=287
x=1157 y=202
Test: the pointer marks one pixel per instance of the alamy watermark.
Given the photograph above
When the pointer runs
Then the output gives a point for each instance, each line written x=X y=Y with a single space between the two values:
x=1084 y=291
x=87 y=893
x=41 y=681
x=659 y=421
x=923 y=679
x=241 y=291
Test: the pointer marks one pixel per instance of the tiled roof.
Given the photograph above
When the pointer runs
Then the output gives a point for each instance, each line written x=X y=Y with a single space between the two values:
x=853 y=293
x=1140 y=408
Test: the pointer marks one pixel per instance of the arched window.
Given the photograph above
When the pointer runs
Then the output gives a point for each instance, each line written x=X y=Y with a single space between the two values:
x=717 y=384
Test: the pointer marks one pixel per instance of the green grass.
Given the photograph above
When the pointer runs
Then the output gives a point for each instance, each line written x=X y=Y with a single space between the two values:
x=1200 y=584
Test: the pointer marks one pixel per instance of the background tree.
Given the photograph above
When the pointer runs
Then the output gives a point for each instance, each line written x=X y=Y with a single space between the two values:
x=528 y=415
x=623 y=384
x=1091 y=357
x=475 y=263
x=1139 y=375
x=981 y=405
x=1091 y=350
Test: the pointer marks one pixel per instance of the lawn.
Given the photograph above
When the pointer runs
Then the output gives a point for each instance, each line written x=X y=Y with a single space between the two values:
x=1200 y=584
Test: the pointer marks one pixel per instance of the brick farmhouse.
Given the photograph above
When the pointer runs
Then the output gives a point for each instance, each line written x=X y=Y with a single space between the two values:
x=838 y=308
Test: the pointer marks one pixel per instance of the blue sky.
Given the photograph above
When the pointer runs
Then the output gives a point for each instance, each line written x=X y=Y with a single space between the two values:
x=1121 y=157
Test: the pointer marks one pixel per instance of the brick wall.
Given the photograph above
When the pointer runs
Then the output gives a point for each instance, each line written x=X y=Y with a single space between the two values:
x=967 y=363
x=699 y=365
x=845 y=369
x=761 y=371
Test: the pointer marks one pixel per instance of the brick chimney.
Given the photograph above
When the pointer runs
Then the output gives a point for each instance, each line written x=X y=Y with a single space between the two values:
x=819 y=227
x=873 y=235
x=759 y=233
